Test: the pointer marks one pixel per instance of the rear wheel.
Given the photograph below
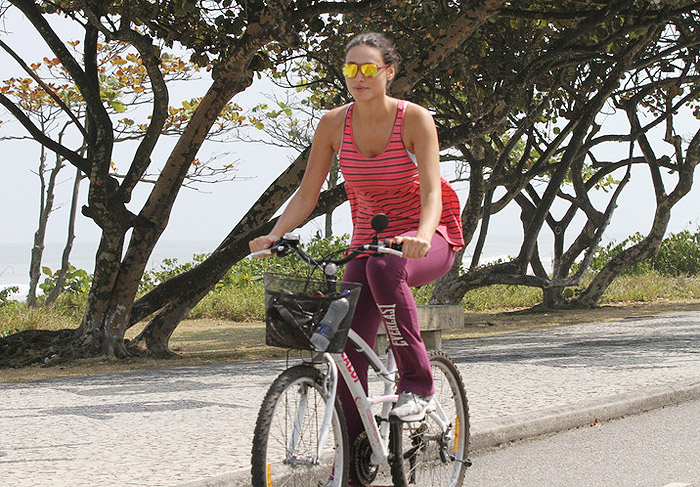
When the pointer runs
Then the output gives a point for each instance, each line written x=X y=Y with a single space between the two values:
x=428 y=453
x=286 y=438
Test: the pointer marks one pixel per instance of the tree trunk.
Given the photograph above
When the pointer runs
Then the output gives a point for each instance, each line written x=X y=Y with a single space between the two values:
x=47 y=199
x=650 y=245
x=645 y=249
x=177 y=296
x=116 y=278
x=258 y=215
x=65 y=257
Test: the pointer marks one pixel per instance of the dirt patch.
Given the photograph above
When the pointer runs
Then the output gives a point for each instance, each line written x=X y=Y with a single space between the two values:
x=202 y=342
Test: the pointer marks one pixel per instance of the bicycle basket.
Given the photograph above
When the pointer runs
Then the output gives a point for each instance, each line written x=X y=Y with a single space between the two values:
x=295 y=305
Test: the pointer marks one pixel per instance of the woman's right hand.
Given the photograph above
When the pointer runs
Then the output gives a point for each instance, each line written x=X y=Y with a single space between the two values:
x=263 y=242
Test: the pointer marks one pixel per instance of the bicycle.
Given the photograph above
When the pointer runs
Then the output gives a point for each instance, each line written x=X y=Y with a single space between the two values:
x=300 y=436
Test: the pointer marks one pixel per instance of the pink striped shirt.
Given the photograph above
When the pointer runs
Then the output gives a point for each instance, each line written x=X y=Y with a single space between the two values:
x=388 y=183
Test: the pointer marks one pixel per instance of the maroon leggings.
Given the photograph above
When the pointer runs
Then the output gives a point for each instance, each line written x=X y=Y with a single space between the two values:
x=386 y=296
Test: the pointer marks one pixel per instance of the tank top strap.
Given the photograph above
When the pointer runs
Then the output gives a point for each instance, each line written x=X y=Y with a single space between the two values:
x=347 y=128
x=348 y=114
x=397 y=133
x=400 y=112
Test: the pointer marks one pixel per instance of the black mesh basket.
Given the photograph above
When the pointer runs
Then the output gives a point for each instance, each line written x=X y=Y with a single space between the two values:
x=295 y=305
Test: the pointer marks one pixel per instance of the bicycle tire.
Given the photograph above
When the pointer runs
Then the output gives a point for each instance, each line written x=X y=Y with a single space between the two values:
x=420 y=454
x=271 y=464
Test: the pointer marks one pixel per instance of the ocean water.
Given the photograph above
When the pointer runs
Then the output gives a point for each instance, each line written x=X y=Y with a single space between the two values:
x=15 y=257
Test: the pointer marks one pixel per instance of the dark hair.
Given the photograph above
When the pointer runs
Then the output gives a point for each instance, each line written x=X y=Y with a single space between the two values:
x=379 y=41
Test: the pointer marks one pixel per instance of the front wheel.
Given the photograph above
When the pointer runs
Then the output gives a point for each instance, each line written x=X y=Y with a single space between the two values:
x=286 y=438
x=433 y=452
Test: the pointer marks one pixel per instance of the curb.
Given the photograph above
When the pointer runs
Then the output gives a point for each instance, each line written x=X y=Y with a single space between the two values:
x=239 y=478
x=492 y=433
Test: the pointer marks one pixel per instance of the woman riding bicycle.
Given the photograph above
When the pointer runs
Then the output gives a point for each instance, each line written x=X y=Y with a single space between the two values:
x=389 y=157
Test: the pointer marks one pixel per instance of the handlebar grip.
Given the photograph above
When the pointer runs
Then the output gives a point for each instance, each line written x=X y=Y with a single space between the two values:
x=260 y=252
x=279 y=248
x=392 y=244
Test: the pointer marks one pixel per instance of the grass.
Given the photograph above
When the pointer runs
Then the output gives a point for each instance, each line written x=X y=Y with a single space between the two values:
x=216 y=335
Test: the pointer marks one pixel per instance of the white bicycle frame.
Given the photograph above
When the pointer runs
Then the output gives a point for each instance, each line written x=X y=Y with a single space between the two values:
x=377 y=434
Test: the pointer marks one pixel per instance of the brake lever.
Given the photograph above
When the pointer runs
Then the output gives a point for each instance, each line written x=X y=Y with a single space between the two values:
x=281 y=247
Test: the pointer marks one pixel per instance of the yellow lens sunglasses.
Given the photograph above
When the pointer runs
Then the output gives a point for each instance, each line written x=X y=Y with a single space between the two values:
x=369 y=70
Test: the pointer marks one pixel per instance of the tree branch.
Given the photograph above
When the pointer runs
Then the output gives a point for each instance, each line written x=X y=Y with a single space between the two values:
x=45 y=87
x=75 y=158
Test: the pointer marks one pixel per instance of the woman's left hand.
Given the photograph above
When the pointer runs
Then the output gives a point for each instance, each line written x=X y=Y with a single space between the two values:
x=414 y=247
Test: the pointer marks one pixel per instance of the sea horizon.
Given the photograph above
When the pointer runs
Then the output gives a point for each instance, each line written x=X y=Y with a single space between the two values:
x=15 y=257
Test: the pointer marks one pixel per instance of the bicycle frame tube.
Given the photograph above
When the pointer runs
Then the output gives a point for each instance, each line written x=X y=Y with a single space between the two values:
x=438 y=415
x=378 y=436
x=331 y=387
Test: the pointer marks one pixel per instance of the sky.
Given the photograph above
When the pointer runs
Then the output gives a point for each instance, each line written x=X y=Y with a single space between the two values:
x=200 y=219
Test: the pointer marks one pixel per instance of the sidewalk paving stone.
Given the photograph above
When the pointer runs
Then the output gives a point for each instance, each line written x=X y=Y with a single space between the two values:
x=193 y=426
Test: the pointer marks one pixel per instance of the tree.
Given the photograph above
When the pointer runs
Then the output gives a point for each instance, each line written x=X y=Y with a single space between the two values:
x=291 y=123
x=495 y=77
x=173 y=299
x=43 y=109
x=646 y=52
x=516 y=88
x=236 y=39
x=123 y=86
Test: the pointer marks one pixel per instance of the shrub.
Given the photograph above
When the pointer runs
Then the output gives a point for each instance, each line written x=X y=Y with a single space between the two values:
x=71 y=305
x=501 y=296
x=77 y=281
x=5 y=295
x=169 y=268
x=605 y=254
x=679 y=255
x=17 y=316
x=232 y=303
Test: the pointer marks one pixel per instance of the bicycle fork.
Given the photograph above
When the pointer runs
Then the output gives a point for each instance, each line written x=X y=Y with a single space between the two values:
x=329 y=390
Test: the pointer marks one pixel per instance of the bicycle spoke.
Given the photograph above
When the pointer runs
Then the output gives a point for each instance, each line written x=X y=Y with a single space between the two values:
x=285 y=445
x=433 y=451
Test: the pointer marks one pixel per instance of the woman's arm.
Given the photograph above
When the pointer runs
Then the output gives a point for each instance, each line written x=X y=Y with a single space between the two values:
x=420 y=137
x=304 y=200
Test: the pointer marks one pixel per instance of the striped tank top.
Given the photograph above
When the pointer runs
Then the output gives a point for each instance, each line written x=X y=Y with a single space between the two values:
x=388 y=183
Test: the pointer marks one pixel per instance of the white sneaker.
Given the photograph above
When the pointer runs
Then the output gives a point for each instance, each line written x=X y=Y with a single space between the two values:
x=410 y=407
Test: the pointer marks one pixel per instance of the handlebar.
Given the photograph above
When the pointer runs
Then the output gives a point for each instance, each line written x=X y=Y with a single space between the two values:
x=290 y=241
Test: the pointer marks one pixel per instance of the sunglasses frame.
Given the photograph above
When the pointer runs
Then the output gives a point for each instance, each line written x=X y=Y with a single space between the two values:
x=359 y=68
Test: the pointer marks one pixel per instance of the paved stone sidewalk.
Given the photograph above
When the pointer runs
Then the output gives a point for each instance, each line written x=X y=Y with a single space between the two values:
x=193 y=426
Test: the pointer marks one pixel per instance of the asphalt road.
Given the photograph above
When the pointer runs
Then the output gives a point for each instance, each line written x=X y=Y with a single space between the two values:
x=655 y=449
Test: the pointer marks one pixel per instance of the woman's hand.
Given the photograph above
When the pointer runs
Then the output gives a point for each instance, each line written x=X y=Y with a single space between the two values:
x=414 y=247
x=263 y=242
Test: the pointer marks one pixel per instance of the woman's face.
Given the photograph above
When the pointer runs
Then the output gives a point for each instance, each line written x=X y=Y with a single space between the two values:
x=362 y=87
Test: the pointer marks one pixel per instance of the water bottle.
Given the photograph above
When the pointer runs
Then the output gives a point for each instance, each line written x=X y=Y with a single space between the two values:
x=329 y=324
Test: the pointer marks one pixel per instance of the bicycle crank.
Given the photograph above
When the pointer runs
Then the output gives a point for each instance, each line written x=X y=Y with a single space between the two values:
x=365 y=471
